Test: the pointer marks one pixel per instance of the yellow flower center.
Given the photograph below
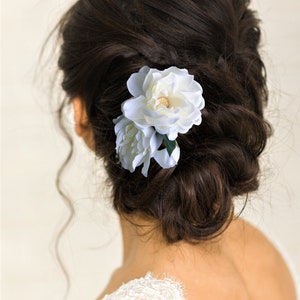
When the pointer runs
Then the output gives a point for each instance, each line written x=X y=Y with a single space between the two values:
x=163 y=102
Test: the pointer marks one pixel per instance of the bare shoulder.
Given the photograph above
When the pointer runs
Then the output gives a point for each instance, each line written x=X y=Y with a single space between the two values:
x=260 y=263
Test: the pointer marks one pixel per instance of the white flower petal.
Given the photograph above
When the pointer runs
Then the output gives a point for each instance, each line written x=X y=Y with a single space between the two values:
x=165 y=160
x=152 y=77
x=172 y=135
x=155 y=142
x=174 y=70
x=133 y=109
x=137 y=160
x=136 y=80
x=146 y=166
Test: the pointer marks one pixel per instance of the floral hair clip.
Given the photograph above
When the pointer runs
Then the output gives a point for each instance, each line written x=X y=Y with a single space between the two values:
x=163 y=104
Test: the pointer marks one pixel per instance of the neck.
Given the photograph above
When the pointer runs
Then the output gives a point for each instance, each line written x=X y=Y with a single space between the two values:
x=145 y=248
x=139 y=237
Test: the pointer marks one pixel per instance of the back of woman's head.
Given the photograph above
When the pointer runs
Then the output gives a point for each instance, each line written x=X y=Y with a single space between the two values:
x=105 y=41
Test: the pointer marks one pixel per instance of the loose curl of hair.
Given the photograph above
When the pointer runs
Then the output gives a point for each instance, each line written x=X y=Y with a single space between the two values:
x=105 y=41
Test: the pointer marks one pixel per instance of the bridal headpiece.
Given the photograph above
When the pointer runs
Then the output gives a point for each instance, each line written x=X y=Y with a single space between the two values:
x=163 y=104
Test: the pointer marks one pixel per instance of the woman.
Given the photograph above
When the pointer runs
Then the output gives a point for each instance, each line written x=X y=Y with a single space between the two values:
x=170 y=94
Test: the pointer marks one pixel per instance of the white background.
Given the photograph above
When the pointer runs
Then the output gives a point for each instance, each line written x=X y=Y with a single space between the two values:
x=32 y=151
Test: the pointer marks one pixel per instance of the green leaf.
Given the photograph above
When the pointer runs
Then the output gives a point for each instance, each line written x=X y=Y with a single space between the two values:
x=170 y=145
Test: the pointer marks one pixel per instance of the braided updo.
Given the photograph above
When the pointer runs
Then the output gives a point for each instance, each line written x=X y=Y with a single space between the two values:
x=105 y=41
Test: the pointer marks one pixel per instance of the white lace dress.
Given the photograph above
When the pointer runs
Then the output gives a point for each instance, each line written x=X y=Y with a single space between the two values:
x=151 y=288
x=148 y=288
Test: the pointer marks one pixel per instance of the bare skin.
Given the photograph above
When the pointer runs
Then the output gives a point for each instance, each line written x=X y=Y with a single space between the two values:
x=240 y=264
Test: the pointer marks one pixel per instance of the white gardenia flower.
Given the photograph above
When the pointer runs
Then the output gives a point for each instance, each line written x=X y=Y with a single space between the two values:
x=135 y=146
x=169 y=100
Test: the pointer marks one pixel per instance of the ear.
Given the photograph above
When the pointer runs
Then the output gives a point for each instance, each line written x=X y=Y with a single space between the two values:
x=80 y=117
x=82 y=124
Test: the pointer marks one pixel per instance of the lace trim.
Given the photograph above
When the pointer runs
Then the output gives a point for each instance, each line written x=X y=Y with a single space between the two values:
x=149 y=288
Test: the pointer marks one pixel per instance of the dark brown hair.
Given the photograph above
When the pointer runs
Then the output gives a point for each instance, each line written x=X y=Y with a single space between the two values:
x=105 y=41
